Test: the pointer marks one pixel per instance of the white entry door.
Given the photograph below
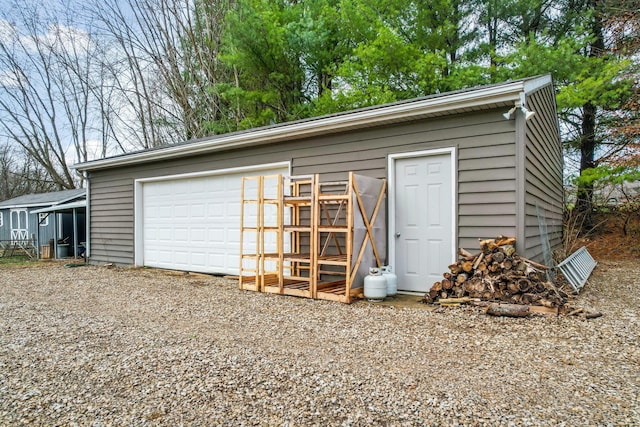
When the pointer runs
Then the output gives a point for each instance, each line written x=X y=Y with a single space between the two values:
x=19 y=225
x=423 y=213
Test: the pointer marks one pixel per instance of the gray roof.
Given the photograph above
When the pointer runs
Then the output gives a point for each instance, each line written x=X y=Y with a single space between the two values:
x=465 y=100
x=43 y=199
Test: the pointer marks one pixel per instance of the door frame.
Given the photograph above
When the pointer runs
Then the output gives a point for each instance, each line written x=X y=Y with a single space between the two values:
x=391 y=168
x=138 y=191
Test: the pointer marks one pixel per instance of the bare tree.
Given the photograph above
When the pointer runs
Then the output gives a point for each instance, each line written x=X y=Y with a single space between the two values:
x=171 y=49
x=51 y=89
x=20 y=175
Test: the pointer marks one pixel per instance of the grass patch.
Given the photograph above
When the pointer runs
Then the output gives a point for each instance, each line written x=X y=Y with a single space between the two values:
x=16 y=261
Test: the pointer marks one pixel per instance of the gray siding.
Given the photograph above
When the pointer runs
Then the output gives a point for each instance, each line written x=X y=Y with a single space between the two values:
x=543 y=173
x=5 y=231
x=32 y=226
x=486 y=174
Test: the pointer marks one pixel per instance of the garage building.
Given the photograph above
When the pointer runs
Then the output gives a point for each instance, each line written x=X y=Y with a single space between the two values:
x=460 y=166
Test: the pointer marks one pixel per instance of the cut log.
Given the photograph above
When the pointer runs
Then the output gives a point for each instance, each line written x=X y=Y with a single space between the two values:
x=467 y=266
x=546 y=303
x=543 y=310
x=465 y=253
x=508 y=250
x=507 y=264
x=461 y=277
x=454 y=300
x=512 y=288
x=520 y=266
x=488 y=245
x=535 y=264
x=446 y=284
x=487 y=295
x=478 y=260
x=509 y=310
x=455 y=268
x=524 y=285
x=437 y=286
x=498 y=257
x=503 y=241
x=494 y=268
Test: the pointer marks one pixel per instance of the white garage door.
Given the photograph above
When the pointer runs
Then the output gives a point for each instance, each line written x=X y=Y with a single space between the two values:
x=193 y=223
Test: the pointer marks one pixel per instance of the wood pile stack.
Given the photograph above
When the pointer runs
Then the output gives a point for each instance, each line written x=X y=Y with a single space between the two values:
x=497 y=273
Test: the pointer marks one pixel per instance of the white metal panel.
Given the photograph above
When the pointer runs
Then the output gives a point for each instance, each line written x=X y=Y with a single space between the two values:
x=192 y=223
x=422 y=219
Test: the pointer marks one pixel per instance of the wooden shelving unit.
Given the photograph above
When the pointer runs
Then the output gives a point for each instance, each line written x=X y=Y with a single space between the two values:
x=297 y=272
x=261 y=218
x=334 y=230
x=313 y=256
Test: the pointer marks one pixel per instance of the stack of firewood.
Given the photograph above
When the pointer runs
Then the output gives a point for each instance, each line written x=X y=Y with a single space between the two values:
x=497 y=273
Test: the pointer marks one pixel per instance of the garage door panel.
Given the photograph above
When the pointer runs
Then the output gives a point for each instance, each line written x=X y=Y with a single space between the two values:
x=233 y=237
x=216 y=235
x=193 y=223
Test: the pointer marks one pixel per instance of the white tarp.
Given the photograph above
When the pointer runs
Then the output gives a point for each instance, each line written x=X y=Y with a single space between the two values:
x=369 y=190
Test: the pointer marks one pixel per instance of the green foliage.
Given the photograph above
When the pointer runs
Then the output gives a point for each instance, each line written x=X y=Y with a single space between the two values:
x=297 y=59
x=605 y=174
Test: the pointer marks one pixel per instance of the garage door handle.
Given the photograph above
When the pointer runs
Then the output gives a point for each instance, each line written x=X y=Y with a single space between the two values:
x=397 y=235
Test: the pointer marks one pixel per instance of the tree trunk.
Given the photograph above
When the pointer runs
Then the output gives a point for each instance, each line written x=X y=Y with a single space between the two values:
x=588 y=140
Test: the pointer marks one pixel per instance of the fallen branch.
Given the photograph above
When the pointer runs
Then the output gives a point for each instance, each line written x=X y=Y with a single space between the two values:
x=534 y=264
x=593 y=315
x=576 y=311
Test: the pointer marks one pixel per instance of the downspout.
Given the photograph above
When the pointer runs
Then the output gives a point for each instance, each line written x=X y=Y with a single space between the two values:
x=521 y=153
x=55 y=235
x=38 y=236
x=87 y=219
x=75 y=233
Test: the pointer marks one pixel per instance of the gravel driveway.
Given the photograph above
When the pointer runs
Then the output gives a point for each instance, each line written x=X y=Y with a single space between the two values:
x=99 y=346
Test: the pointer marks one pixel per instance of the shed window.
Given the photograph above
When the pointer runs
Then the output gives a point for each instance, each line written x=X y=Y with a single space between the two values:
x=43 y=219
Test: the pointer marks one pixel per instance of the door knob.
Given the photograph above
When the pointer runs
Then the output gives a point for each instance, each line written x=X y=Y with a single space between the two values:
x=397 y=235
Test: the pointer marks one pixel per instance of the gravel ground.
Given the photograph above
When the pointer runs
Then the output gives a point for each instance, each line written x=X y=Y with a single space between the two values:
x=98 y=346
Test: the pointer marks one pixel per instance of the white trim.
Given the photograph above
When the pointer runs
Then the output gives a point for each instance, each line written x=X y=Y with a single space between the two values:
x=480 y=98
x=138 y=251
x=391 y=168
x=43 y=219
x=216 y=172
x=19 y=233
x=1 y=218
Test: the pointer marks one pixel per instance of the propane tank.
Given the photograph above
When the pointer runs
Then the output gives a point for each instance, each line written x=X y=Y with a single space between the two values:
x=392 y=280
x=375 y=285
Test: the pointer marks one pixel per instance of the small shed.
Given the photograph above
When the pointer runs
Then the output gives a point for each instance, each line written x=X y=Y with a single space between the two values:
x=460 y=166
x=34 y=220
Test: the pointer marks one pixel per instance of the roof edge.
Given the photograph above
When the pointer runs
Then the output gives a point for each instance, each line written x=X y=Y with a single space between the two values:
x=356 y=119
x=61 y=207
